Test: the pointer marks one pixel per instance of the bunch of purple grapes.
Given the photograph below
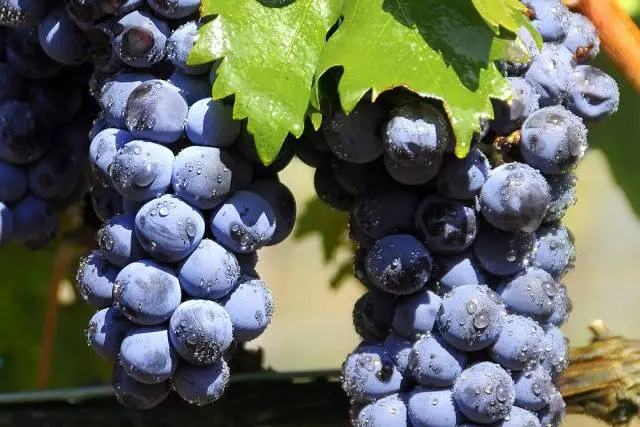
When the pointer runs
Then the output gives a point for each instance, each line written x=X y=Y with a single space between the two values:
x=463 y=258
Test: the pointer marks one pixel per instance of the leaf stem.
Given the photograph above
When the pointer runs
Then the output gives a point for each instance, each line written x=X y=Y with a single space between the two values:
x=619 y=35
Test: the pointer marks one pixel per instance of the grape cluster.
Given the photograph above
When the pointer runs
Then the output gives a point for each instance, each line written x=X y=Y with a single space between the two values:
x=463 y=258
x=44 y=121
x=185 y=204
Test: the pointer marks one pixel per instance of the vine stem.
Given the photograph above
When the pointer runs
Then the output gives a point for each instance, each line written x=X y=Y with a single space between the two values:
x=619 y=35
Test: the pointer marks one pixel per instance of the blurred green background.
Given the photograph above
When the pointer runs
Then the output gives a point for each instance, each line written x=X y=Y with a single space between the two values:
x=312 y=328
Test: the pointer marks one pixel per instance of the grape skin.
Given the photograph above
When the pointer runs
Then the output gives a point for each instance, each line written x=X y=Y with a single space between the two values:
x=147 y=355
x=95 y=279
x=106 y=331
x=389 y=411
x=435 y=363
x=134 y=394
x=201 y=385
x=429 y=407
x=250 y=306
x=416 y=314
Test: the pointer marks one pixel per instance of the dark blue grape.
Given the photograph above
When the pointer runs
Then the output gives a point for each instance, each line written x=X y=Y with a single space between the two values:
x=95 y=279
x=211 y=123
x=562 y=308
x=519 y=417
x=555 y=251
x=183 y=38
x=416 y=314
x=372 y=315
x=353 y=177
x=582 y=39
x=593 y=94
x=34 y=224
x=550 y=74
x=434 y=362
x=105 y=200
x=56 y=101
x=23 y=139
x=412 y=175
x=510 y=114
x=118 y=242
x=446 y=226
x=398 y=349
x=192 y=88
x=134 y=394
x=462 y=179
x=369 y=374
x=147 y=356
x=555 y=357
x=533 y=388
x=61 y=39
x=26 y=57
x=104 y=146
x=553 y=414
x=210 y=272
x=140 y=39
x=114 y=94
x=107 y=328
x=250 y=306
x=330 y=191
x=503 y=253
x=389 y=411
x=201 y=385
x=12 y=86
x=563 y=195
x=281 y=200
x=550 y=18
x=428 y=407
x=519 y=345
x=458 y=270
x=531 y=293
x=13 y=182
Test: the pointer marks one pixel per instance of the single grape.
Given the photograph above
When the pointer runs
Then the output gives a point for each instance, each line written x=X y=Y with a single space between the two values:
x=413 y=175
x=369 y=373
x=95 y=279
x=555 y=357
x=428 y=407
x=526 y=49
x=203 y=176
x=553 y=414
x=496 y=393
x=389 y=411
x=168 y=228
x=330 y=191
x=563 y=195
x=56 y=174
x=104 y=147
x=462 y=179
x=458 y=270
x=26 y=57
x=434 y=362
x=281 y=200
x=550 y=74
x=550 y=18
x=147 y=356
x=134 y=394
x=582 y=39
x=354 y=137
x=13 y=182
x=105 y=200
x=502 y=253
x=183 y=38
x=210 y=272
x=353 y=177
x=555 y=251
x=107 y=328
x=61 y=39
x=446 y=226
x=146 y=293
x=243 y=223
x=416 y=314
x=156 y=110
x=23 y=138
x=398 y=349
x=34 y=224
x=140 y=39
x=192 y=88
x=593 y=94
x=372 y=315
x=114 y=94
x=471 y=317
x=562 y=308
x=553 y=140
x=519 y=417
x=510 y=114
x=531 y=293
x=118 y=242
x=250 y=306
x=515 y=198
x=201 y=385
x=399 y=264
x=200 y=331
x=211 y=123
x=519 y=345
x=533 y=388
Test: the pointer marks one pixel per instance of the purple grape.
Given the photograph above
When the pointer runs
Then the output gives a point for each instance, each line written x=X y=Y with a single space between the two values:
x=147 y=356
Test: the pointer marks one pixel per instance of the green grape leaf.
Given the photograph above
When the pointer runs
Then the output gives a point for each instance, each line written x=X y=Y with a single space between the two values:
x=508 y=14
x=330 y=224
x=270 y=51
x=442 y=50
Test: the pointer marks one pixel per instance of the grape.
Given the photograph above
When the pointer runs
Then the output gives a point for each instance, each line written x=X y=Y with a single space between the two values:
x=6 y=224
x=434 y=362
x=192 y=88
x=61 y=39
x=515 y=198
x=593 y=94
x=359 y=237
x=550 y=18
x=389 y=411
x=104 y=147
x=155 y=110
x=399 y=264
x=354 y=137
x=446 y=226
x=462 y=179
x=550 y=74
x=416 y=133
x=136 y=395
x=398 y=349
x=211 y=123
x=384 y=210
x=105 y=200
x=531 y=293
x=416 y=314
x=471 y=317
x=553 y=140
x=250 y=306
x=503 y=253
x=34 y=224
x=281 y=200
x=140 y=40
x=244 y=223
x=201 y=385
x=330 y=191
x=519 y=345
x=107 y=329
x=562 y=307
x=200 y=331
x=432 y=408
x=372 y=315
x=353 y=177
x=118 y=242
x=146 y=293
x=563 y=195
x=23 y=14
x=582 y=39
x=533 y=388
x=412 y=175
x=510 y=114
x=495 y=400
x=182 y=39
x=369 y=374
x=168 y=228
x=203 y=176
x=23 y=140
x=26 y=57
x=56 y=174
x=519 y=417
x=210 y=271
x=13 y=182
x=55 y=102
x=555 y=358
x=553 y=414
x=458 y=270
x=95 y=279
x=555 y=251
x=114 y=94
x=528 y=50
x=12 y=86
x=141 y=170
x=147 y=355
x=310 y=155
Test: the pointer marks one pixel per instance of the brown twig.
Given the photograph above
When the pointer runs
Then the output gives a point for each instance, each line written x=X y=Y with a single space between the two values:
x=619 y=35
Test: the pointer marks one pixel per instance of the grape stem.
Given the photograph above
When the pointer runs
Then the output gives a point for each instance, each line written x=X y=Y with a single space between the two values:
x=619 y=35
